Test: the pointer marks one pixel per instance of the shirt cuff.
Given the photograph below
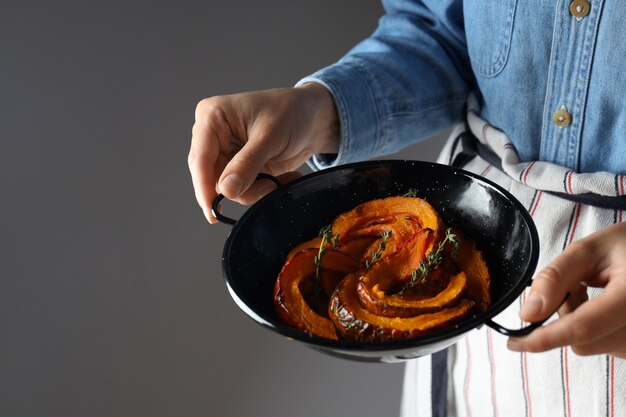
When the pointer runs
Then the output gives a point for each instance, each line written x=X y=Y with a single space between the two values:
x=358 y=115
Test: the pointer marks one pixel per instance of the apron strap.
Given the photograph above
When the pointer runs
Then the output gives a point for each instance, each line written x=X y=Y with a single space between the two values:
x=472 y=147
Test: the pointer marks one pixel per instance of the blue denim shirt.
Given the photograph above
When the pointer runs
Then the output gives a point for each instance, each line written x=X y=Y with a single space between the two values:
x=524 y=60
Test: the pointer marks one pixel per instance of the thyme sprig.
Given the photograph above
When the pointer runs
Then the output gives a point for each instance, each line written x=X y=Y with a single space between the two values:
x=327 y=235
x=433 y=260
x=411 y=193
x=381 y=247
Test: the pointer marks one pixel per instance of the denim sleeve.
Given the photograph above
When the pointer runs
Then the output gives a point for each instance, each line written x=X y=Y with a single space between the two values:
x=405 y=82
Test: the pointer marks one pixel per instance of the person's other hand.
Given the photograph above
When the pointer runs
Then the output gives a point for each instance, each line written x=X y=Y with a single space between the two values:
x=590 y=327
x=235 y=137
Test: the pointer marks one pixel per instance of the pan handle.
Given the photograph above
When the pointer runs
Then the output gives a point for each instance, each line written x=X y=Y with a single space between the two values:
x=514 y=332
x=524 y=330
x=220 y=217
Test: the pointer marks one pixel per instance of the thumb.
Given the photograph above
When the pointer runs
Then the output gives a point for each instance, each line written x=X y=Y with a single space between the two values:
x=563 y=275
x=240 y=173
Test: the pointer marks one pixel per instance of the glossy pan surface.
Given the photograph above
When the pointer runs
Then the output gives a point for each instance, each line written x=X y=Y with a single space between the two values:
x=259 y=241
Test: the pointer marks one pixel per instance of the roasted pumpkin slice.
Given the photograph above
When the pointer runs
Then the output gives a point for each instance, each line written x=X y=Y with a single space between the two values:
x=367 y=290
x=354 y=322
x=391 y=237
x=358 y=242
x=356 y=247
x=398 y=267
x=379 y=287
x=400 y=225
x=403 y=305
x=375 y=210
x=329 y=280
x=472 y=262
x=309 y=244
x=293 y=290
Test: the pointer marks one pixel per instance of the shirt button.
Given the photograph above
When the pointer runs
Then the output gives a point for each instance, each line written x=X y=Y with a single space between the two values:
x=579 y=8
x=562 y=118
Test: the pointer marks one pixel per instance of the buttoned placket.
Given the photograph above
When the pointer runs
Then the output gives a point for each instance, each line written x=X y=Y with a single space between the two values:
x=574 y=37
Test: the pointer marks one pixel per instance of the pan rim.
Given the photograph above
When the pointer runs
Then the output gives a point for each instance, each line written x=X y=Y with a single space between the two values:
x=476 y=320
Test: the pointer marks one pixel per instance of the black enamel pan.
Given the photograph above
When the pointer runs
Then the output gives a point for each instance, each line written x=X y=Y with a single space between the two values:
x=259 y=241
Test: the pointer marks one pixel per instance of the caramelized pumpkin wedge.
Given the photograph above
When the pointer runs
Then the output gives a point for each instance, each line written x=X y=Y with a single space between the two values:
x=357 y=242
x=378 y=287
x=356 y=323
x=383 y=208
x=329 y=280
x=472 y=261
x=400 y=229
x=357 y=247
x=295 y=283
x=397 y=305
x=367 y=290
x=398 y=267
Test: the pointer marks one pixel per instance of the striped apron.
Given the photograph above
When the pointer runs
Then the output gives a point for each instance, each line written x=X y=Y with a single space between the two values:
x=479 y=376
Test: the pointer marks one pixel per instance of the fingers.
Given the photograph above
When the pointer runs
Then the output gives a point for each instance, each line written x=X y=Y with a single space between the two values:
x=262 y=187
x=550 y=286
x=201 y=160
x=237 y=136
x=240 y=173
x=589 y=325
x=574 y=299
x=212 y=143
x=612 y=344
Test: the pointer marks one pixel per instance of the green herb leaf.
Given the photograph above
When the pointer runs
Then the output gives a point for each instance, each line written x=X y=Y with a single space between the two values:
x=381 y=247
x=327 y=236
x=433 y=261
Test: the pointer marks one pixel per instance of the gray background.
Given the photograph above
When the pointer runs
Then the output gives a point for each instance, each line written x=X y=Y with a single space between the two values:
x=112 y=301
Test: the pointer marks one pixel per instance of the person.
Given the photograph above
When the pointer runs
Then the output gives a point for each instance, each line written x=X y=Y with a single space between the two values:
x=536 y=84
